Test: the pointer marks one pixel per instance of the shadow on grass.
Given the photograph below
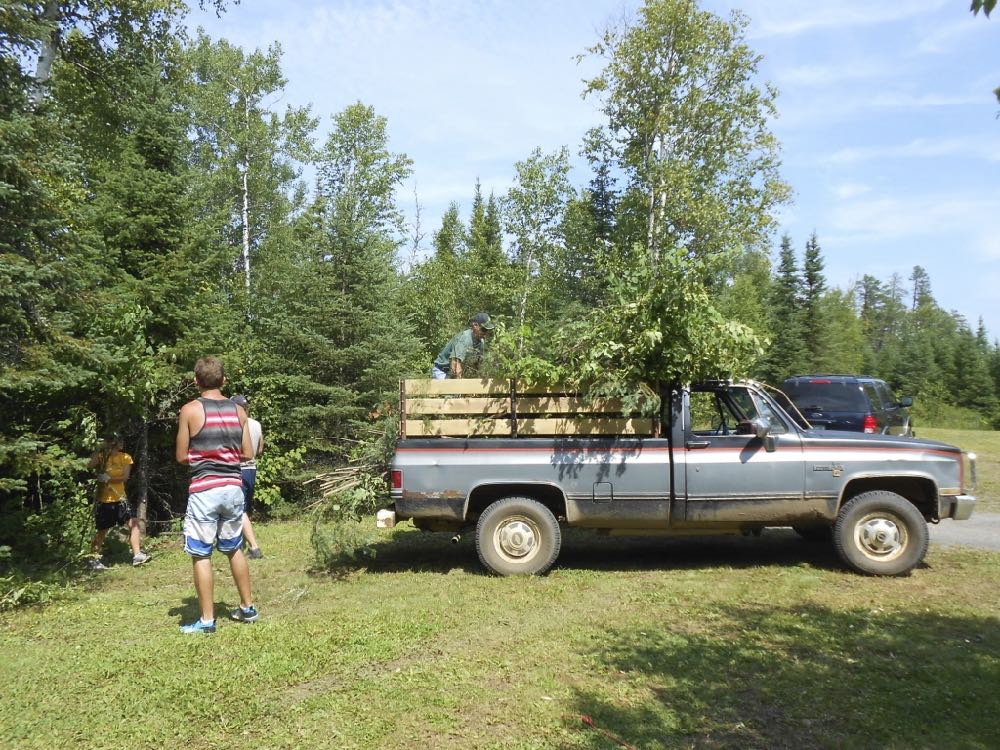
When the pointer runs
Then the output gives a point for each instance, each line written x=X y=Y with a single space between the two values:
x=429 y=552
x=763 y=677
x=189 y=610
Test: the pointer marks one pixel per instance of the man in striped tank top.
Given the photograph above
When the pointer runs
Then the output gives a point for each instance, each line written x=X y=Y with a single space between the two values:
x=212 y=439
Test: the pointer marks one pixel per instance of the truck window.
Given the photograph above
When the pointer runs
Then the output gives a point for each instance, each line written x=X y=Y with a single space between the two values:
x=711 y=414
x=752 y=405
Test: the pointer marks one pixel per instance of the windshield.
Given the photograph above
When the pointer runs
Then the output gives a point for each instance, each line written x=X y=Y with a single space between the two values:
x=826 y=396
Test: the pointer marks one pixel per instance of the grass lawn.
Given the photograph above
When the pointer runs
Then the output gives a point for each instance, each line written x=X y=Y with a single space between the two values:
x=986 y=445
x=660 y=643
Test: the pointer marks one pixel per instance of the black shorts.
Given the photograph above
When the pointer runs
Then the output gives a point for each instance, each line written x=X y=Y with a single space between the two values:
x=109 y=515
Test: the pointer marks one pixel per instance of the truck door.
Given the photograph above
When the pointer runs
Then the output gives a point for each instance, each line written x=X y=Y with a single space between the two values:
x=730 y=476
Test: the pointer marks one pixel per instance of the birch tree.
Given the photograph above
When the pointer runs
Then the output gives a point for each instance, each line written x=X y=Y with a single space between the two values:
x=250 y=149
x=690 y=124
x=533 y=211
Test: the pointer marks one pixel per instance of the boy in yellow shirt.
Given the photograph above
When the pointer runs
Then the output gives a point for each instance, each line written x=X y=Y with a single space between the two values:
x=112 y=509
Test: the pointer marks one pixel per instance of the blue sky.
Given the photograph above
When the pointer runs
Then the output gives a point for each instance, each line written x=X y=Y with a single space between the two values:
x=888 y=123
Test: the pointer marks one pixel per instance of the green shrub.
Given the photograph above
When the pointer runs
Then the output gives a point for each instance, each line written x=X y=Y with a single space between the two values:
x=935 y=406
x=343 y=529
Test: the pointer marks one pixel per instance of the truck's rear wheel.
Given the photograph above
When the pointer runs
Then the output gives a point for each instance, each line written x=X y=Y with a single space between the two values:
x=881 y=533
x=517 y=536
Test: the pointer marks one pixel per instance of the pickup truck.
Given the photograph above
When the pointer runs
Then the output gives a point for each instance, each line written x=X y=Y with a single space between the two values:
x=517 y=463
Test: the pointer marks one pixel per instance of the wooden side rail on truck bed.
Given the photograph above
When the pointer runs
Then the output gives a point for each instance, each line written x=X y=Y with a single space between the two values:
x=509 y=408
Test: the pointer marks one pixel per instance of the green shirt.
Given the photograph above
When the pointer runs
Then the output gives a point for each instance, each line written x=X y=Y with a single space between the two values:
x=461 y=347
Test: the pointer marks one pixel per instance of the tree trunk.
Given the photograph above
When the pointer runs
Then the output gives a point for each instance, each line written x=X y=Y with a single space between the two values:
x=246 y=228
x=142 y=477
x=246 y=200
x=524 y=304
x=47 y=54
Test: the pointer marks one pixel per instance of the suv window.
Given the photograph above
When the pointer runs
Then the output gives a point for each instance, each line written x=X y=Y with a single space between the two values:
x=889 y=399
x=874 y=396
x=824 y=395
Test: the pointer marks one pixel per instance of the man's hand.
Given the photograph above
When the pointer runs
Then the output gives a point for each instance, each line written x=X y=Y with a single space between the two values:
x=103 y=478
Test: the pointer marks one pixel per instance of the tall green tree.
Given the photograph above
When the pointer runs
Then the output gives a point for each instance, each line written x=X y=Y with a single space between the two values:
x=249 y=154
x=533 y=210
x=331 y=307
x=840 y=343
x=689 y=122
x=492 y=276
x=813 y=289
x=787 y=354
x=688 y=127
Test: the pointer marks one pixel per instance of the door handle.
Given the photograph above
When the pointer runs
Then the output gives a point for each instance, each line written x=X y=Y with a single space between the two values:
x=698 y=443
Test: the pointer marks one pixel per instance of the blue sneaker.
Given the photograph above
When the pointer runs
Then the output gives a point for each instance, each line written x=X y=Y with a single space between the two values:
x=199 y=626
x=250 y=614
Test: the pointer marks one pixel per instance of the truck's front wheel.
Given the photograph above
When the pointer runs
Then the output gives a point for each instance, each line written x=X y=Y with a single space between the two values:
x=881 y=533
x=517 y=536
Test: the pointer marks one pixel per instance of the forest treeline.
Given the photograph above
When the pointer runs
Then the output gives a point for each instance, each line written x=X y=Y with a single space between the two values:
x=153 y=210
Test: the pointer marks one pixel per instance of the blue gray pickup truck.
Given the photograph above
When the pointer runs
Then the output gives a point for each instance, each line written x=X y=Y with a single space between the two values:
x=721 y=458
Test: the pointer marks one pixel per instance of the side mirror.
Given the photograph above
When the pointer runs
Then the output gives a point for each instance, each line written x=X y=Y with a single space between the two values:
x=906 y=401
x=762 y=429
x=761 y=426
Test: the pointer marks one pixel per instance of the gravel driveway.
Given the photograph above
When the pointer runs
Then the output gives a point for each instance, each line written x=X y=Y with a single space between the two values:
x=981 y=531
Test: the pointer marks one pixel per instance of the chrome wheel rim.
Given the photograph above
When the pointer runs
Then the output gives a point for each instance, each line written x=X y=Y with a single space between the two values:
x=881 y=536
x=516 y=538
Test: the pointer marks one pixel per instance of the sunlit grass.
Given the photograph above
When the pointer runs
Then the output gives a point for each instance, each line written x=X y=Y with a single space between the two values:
x=712 y=642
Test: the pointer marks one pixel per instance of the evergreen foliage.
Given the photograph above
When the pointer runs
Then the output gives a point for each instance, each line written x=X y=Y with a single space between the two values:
x=154 y=212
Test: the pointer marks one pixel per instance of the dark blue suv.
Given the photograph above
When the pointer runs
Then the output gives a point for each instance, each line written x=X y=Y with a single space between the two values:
x=856 y=403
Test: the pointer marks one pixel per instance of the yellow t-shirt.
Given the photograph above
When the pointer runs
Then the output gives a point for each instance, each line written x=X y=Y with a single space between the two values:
x=113 y=491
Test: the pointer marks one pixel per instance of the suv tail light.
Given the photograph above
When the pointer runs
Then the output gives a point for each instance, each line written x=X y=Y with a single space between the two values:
x=869 y=424
x=397 y=480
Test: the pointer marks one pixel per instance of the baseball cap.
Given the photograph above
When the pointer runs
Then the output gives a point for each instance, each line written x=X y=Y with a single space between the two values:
x=483 y=320
x=239 y=400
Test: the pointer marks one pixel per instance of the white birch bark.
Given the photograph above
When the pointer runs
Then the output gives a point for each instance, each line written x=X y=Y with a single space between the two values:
x=46 y=55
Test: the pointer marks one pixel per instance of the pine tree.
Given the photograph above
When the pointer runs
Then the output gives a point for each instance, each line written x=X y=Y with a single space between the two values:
x=331 y=306
x=973 y=385
x=813 y=288
x=840 y=346
x=787 y=354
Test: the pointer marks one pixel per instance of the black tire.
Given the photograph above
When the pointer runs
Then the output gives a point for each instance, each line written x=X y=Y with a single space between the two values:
x=822 y=533
x=880 y=533
x=517 y=536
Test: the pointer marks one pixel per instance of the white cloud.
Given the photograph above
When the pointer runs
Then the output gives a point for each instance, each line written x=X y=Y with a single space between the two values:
x=848 y=190
x=812 y=76
x=963 y=218
x=946 y=37
x=777 y=18
x=922 y=148
x=988 y=246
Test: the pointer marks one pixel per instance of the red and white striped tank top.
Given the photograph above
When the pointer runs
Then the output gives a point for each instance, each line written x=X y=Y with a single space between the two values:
x=214 y=453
